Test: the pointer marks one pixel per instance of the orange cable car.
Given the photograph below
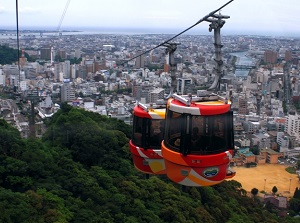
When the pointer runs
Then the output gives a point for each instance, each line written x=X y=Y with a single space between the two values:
x=148 y=132
x=199 y=142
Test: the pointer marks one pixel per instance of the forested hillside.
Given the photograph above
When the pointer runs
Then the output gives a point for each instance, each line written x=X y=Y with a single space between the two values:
x=9 y=55
x=81 y=171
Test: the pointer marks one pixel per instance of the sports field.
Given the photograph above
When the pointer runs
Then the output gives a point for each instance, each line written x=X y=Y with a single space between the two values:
x=265 y=177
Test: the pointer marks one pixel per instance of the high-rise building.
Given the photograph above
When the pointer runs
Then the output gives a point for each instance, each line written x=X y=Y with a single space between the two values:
x=166 y=68
x=23 y=85
x=82 y=73
x=243 y=105
x=67 y=69
x=288 y=56
x=62 y=53
x=73 y=71
x=144 y=95
x=156 y=95
x=183 y=84
x=135 y=90
x=270 y=56
x=64 y=68
x=89 y=64
x=2 y=78
x=77 y=53
x=67 y=92
x=23 y=59
x=292 y=125
x=46 y=53
x=140 y=61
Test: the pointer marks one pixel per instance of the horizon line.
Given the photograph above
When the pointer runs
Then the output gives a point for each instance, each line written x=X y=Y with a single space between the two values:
x=151 y=30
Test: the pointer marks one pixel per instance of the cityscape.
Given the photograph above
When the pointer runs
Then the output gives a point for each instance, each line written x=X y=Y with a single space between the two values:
x=260 y=76
x=150 y=111
x=109 y=73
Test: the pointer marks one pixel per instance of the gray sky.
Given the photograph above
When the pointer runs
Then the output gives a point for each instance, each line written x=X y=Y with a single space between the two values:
x=279 y=17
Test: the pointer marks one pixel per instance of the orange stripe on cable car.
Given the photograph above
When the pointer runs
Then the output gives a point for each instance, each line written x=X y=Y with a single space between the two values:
x=151 y=114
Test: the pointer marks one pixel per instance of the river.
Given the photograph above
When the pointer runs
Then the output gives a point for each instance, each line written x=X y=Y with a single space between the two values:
x=242 y=59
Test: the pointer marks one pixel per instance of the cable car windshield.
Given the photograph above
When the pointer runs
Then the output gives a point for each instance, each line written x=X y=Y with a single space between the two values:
x=148 y=133
x=192 y=134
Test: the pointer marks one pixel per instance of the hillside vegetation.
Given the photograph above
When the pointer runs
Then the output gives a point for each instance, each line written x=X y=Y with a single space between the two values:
x=81 y=171
x=9 y=55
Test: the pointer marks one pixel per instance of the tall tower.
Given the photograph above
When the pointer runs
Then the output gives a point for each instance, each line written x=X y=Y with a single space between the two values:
x=183 y=84
x=46 y=53
x=258 y=103
x=67 y=92
x=270 y=57
x=243 y=105
x=216 y=23
x=22 y=59
x=140 y=61
x=292 y=125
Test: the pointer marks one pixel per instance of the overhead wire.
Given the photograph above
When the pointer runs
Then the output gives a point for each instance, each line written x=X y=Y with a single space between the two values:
x=63 y=15
x=18 y=39
x=161 y=44
x=18 y=31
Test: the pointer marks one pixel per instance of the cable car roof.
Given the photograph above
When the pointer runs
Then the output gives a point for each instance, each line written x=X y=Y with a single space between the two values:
x=151 y=111
x=202 y=104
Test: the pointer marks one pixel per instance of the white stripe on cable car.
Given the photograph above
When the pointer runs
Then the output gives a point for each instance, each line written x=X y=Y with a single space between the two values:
x=141 y=153
x=183 y=109
x=189 y=182
x=157 y=151
x=229 y=155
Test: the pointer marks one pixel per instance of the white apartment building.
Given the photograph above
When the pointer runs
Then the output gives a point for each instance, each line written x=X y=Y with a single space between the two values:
x=2 y=78
x=46 y=103
x=290 y=152
x=182 y=85
x=282 y=140
x=67 y=92
x=245 y=142
x=156 y=94
x=292 y=125
x=23 y=85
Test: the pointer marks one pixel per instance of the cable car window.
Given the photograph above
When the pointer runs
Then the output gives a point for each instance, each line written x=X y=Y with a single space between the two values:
x=137 y=131
x=191 y=134
x=173 y=130
x=156 y=133
x=197 y=133
x=211 y=134
x=147 y=133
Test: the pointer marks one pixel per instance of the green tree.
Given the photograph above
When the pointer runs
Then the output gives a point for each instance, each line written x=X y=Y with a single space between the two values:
x=9 y=55
x=274 y=190
x=254 y=191
x=81 y=171
x=295 y=204
x=254 y=150
x=297 y=193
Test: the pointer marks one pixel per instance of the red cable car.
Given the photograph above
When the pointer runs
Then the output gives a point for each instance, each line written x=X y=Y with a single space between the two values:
x=198 y=134
x=148 y=131
x=198 y=143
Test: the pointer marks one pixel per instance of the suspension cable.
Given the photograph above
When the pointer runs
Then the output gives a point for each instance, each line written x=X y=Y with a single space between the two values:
x=18 y=41
x=63 y=15
x=161 y=44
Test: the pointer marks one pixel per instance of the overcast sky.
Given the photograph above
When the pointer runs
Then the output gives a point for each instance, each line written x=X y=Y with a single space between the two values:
x=281 y=17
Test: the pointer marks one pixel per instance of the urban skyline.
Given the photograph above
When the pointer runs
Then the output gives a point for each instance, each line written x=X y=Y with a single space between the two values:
x=247 y=17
